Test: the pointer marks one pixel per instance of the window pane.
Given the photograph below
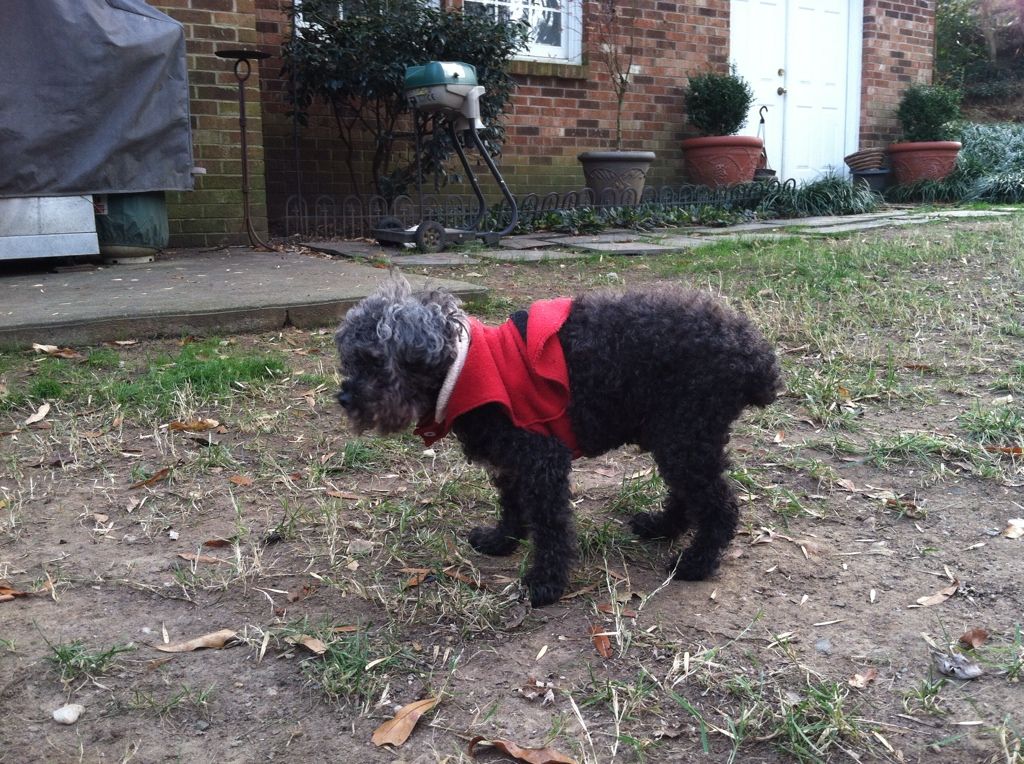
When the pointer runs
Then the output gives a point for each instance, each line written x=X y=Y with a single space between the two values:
x=552 y=31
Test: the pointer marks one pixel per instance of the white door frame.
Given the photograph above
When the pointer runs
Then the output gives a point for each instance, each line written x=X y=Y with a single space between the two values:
x=775 y=127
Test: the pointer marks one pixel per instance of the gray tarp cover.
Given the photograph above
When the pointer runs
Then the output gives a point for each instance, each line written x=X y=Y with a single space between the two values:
x=93 y=99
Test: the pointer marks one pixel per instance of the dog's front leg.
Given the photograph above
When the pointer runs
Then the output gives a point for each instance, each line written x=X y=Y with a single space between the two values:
x=533 y=483
x=503 y=539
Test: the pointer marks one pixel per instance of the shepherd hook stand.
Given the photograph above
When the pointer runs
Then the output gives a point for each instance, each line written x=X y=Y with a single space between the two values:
x=242 y=71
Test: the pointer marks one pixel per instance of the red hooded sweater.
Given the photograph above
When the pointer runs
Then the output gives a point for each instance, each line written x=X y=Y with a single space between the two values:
x=528 y=379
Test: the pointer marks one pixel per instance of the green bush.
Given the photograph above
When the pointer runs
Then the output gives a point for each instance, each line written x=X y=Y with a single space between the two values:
x=988 y=169
x=830 y=195
x=926 y=112
x=356 y=65
x=717 y=104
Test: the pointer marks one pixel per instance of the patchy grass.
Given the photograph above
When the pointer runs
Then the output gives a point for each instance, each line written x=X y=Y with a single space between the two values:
x=886 y=469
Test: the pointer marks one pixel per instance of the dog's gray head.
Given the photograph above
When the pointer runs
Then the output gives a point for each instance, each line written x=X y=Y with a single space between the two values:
x=396 y=347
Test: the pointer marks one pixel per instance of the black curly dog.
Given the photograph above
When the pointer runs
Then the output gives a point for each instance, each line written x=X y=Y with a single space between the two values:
x=669 y=370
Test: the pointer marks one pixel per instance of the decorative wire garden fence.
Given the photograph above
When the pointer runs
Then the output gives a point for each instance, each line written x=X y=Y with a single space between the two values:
x=353 y=217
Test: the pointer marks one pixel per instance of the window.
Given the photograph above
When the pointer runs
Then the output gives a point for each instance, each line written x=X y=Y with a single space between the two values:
x=301 y=21
x=555 y=25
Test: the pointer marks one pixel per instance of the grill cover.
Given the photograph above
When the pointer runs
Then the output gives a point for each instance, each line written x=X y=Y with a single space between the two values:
x=93 y=99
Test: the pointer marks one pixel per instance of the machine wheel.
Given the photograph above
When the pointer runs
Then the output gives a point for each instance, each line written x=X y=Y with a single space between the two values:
x=430 y=236
x=390 y=223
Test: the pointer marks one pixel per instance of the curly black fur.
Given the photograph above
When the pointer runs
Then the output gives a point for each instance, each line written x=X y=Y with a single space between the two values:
x=668 y=370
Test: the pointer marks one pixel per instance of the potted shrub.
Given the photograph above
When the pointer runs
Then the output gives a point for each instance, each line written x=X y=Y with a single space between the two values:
x=616 y=176
x=717 y=105
x=926 y=113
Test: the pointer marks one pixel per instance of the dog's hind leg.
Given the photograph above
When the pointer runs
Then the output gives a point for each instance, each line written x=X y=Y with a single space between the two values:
x=672 y=521
x=699 y=498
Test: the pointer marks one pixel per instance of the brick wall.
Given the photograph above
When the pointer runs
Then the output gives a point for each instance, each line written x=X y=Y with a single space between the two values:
x=213 y=214
x=559 y=111
x=556 y=112
x=899 y=45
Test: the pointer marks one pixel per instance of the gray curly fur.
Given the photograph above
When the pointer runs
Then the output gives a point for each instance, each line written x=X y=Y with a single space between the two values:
x=666 y=369
x=395 y=347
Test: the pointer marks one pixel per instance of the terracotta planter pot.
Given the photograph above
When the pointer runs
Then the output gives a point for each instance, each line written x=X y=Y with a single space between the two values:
x=922 y=160
x=721 y=160
x=616 y=177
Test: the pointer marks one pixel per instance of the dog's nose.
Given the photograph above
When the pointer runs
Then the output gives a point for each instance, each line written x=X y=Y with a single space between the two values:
x=344 y=397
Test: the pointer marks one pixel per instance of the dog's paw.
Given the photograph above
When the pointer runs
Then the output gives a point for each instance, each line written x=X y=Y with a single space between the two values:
x=543 y=592
x=493 y=541
x=652 y=525
x=688 y=567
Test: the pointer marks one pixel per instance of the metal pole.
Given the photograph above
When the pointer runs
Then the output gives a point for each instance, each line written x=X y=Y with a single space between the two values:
x=243 y=69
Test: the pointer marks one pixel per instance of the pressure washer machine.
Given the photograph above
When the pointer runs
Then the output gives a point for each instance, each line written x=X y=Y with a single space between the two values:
x=448 y=90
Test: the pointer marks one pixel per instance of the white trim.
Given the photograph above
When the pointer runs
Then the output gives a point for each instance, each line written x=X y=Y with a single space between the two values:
x=854 y=76
x=454 y=371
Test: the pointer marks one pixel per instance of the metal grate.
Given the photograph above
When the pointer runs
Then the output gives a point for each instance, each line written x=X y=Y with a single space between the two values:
x=353 y=217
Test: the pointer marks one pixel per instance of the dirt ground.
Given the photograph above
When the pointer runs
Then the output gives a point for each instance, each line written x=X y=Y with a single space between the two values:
x=889 y=472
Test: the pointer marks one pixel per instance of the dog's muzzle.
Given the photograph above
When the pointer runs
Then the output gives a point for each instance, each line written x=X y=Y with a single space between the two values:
x=344 y=396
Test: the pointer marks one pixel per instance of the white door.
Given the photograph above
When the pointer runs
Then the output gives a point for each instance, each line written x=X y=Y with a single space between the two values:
x=802 y=59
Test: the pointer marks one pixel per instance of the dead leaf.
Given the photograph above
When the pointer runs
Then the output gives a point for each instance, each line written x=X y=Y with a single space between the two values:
x=40 y=414
x=1012 y=450
x=609 y=608
x=241 y=480
x=956 y=665
x=193 y=425
x=344 y=495
x=419 y=576
x=860 y=681
x=535 y=688
x=360 y=547
x=601 y=641
x=8 y=593
x=153 y=479
x=939 y=596
x=58 y=352
x=453 y=572
x=217 y=543
x=974 y=638
x=396 y=731
x=201 y=558
x=517 y=752
x=301 y=592
x=1014 y=528
x=312 y=644
x=214 y=641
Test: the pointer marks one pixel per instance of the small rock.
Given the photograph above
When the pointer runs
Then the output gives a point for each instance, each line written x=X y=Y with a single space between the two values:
x=202 y=725
x=823 y=645
x=68 y=714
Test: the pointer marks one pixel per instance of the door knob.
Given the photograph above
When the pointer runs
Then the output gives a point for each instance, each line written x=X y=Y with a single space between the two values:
x=781 y=90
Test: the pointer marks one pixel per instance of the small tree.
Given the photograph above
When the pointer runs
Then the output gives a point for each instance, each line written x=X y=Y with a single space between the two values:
x=615 y=34
x=356 y=65
x=717 y=104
